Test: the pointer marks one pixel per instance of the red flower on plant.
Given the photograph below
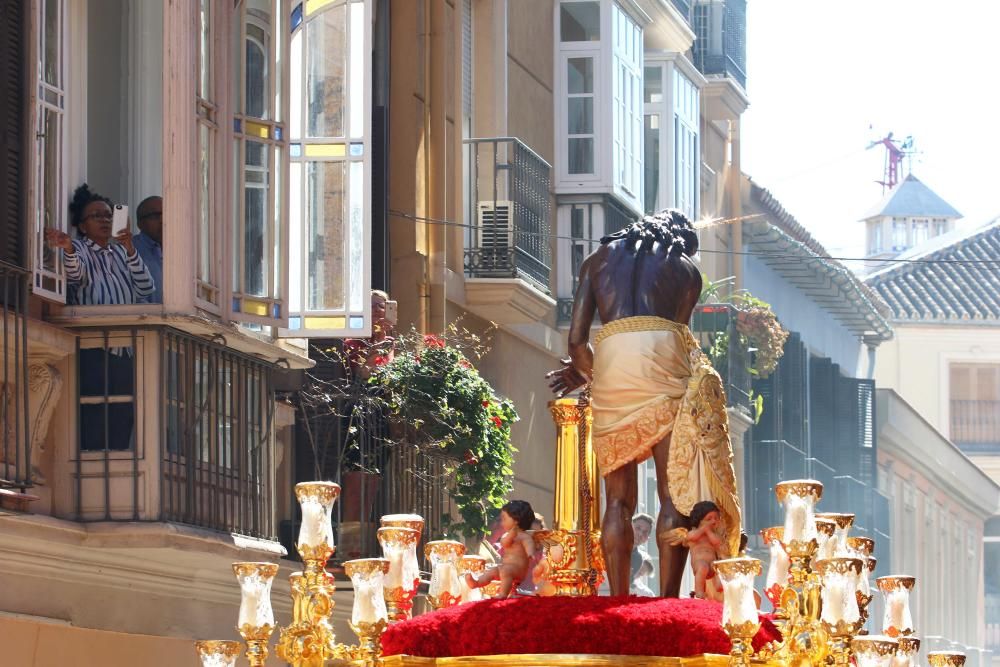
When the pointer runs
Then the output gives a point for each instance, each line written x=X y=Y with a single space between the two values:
x=486 y=404
x=464 y=363
x=470 y=458
x=497 y=422
x=430 y=340
x=381 y=359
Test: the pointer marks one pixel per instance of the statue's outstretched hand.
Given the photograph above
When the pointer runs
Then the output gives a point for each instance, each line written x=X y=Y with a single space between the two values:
x=566 y=379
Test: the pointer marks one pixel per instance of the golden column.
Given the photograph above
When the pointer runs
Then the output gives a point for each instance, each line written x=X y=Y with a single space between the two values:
x=573 y=558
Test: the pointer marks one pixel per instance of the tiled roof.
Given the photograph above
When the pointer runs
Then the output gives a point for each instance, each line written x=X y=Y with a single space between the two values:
x=826 y=281
x=959 y=282
x=911 y=198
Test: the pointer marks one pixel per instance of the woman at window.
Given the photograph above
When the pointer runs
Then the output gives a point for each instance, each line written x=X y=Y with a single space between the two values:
x=98 y=271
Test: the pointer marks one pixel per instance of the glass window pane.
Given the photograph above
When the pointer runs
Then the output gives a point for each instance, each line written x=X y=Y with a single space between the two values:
x=357 y=174
x=581 y=156
x=580 y=21
x=255 y=227
x=121 y=417
x=581 y=115
x=295 y=82
x=51 y=206
x=205 y=204
x=653 y=84
x=257 y=89
x=326 y=73
x=205 y=49
x=356 y=98
x=296 y=267
x=326 y=185
x=651 y=157
x=50 y=63
x=580 y=75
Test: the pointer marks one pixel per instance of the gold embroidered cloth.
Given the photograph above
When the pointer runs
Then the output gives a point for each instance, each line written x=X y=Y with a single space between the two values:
x=651 y=379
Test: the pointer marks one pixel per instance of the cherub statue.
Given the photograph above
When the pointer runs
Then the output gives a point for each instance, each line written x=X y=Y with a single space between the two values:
x=704 y=543
x=518 y=547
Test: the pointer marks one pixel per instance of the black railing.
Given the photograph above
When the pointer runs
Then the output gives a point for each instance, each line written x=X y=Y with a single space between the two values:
x=564 y=310
x=509 y=212
x=205 y=458
x=714 y=325
x=769 y=462
x=15 y=450
x=723 y=53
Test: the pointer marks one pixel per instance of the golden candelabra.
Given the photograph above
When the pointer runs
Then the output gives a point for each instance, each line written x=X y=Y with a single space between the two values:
x=308 y=641
x=818 y=583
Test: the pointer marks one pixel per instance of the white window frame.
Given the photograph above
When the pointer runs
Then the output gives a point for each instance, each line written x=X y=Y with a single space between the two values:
x=271 y=308
x=210 y=285
x=627 y=63
x=354 y=319
x=47 y=284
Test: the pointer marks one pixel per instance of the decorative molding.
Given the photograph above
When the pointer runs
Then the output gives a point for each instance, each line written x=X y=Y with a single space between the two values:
x=507 y=300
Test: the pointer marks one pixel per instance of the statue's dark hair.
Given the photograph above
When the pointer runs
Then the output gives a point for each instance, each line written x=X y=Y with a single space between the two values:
x=701 y=510
x=521 y=512
x=669 y=227
x=83 y=196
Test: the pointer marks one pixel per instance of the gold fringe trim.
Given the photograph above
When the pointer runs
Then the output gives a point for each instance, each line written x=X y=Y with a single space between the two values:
x=639 y=323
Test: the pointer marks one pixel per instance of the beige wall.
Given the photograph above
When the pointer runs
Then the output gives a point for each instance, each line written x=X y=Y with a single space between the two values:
x=915 y=363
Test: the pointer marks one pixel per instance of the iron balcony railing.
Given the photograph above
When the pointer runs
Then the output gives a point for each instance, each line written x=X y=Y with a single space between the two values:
x=714 y=325
x=509 y=211
x=975 y=425
x=203 y=456
x=722 y=52
x=769 y=462
x=15 y=448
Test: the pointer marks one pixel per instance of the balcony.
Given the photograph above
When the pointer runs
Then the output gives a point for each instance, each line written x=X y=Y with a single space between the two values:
x=720 y=48
x=507 y=246
x=173 y=428
x=975 y=426
x=15 y=443
x=714 y=325
x=769 y=462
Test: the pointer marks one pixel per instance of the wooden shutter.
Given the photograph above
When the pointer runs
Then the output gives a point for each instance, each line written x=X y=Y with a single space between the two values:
x=13 y=96
x=793 y=393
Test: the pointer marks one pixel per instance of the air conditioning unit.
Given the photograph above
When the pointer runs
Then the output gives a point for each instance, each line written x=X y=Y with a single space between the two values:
x=495 y=226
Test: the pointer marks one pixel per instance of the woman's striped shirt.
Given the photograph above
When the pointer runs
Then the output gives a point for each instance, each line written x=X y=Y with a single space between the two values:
x=103 y=276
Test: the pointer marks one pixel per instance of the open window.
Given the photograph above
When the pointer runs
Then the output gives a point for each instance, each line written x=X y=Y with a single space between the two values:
x=330 y=215
x=260 y=98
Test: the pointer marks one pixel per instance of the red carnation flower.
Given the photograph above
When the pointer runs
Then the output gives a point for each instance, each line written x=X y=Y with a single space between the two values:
x=486 y=404
x=470 y=458
x=430 y=340
x=381 y=359
x=497 y=422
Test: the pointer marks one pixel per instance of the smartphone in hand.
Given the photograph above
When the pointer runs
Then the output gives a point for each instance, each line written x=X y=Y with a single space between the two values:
x=119 y=219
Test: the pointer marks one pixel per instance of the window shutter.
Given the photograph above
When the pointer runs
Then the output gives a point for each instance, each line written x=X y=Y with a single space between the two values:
x=821 y=424
x=793 y=393
x=13 y=171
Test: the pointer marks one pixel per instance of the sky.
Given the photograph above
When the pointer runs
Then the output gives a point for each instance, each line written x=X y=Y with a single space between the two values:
x=825 y=79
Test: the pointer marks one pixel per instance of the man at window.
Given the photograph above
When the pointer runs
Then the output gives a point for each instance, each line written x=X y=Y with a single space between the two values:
x=149 y=242
x=98 y=271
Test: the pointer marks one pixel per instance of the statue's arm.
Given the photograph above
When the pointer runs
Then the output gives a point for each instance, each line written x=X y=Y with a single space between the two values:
x=584 y=307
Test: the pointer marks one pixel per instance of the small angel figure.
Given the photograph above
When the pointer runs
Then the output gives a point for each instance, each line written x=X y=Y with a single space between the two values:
x=704 y=543
x=518 y=546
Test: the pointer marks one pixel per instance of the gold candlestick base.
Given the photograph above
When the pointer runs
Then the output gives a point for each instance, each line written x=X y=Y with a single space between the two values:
x=575 y=568
x=399 y=602
x=741 y=637
x=256 y=638
x=369 y=641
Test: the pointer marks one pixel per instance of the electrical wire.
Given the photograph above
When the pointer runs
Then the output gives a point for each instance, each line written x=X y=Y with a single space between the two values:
x=793 y=259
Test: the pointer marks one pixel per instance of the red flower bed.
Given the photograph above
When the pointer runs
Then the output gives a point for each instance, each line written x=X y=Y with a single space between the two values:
x=597 y=625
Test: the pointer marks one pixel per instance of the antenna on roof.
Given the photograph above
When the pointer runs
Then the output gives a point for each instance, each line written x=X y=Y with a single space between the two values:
x=895 y=151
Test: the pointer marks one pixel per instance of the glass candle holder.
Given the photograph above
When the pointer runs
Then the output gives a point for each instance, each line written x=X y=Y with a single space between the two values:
x=399 y=547
x=840 y=614
x=844 y=523
x=778 y=565
x=737 y=575
x=826 y=544
x=367 y=577
x=873 y=650
x=445 y=589
x=256 y=619
x=799 y=498
x=946 y=658
x=474 y=565
x=411 y=521
x=217 y=653
x=315 y=542
x=897 y=620
x=906 y=652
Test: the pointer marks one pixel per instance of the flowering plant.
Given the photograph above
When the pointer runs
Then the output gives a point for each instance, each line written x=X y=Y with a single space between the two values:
x=759 y=325
x=451 y=411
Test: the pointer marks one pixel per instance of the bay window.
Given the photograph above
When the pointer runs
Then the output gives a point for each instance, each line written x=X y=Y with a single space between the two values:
x=599 y=125
x=330 y=170
x=209 y=289
x=671 y=141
